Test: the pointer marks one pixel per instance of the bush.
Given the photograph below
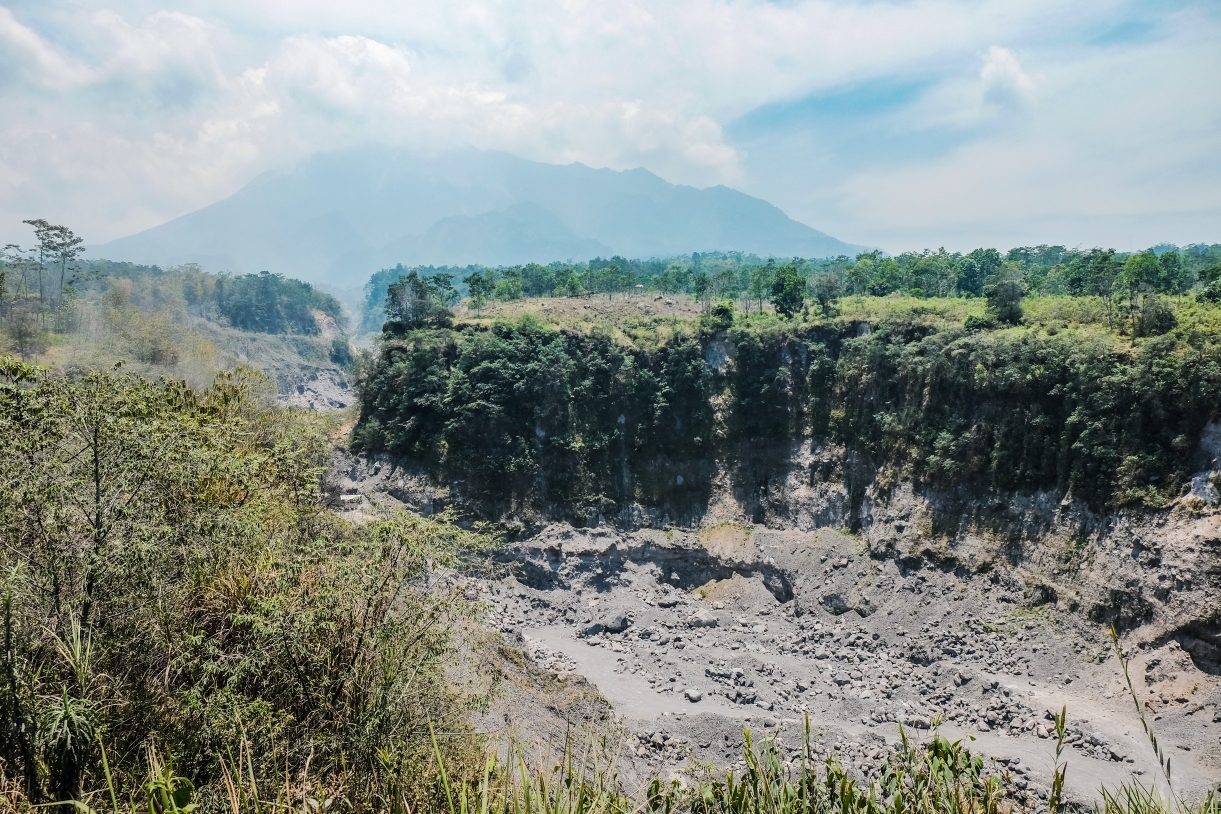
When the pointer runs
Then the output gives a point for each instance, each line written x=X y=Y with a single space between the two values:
x=169 y=575
x=1005 y=300
x=28 y=337
x=974 y=324
x=788 y=291
x=721 y=316
x=341 y=352
x=1153 y=317
x=1211 y=293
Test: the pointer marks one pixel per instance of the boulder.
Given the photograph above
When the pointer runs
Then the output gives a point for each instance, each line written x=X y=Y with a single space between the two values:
x=835 y=603
x=616 y=623
x=703 y=618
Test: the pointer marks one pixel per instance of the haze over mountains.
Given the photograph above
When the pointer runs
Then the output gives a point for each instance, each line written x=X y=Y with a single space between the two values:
x=338 y=217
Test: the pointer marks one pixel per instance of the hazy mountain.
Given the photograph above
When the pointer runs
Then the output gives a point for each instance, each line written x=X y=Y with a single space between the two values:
x=522 y=233
x=339 y=216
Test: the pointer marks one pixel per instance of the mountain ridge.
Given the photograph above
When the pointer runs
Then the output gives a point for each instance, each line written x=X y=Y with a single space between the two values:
x=337 y=217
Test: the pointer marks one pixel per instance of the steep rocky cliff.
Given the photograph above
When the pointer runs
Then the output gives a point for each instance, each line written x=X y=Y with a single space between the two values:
x=846 y=477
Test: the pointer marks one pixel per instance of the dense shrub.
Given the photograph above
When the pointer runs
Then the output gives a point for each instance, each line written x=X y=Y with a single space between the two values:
x=273 y=304
x=1022 y=410
x=171 y=580
x=525 y=412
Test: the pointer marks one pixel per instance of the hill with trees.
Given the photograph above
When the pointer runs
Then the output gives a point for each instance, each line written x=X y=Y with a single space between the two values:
x=70 y=311
x=1083 y=372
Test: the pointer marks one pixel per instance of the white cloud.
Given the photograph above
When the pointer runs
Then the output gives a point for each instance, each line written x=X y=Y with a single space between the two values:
x=342 y=75
x=34 y=59
x=1120 y=150
x=1004 y=81
x=160 y=111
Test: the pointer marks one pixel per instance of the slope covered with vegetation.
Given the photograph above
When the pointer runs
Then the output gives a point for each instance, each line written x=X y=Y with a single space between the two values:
x=185 y=626
x=172 y=586
x=940 y=391
x=64 y=310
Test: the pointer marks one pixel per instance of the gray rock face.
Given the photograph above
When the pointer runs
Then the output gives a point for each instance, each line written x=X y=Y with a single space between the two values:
x=954 y=637
x=611 y=623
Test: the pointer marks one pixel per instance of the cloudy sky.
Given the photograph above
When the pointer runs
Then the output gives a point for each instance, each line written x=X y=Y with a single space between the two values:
x=897 y=124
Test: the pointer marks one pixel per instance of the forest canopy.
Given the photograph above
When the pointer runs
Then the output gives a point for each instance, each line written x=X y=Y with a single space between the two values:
x=751 y=280
x=524 y=413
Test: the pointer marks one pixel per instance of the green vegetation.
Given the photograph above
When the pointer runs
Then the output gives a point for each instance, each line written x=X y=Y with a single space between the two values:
x=264 y=302
x=440 y=280
x=172 y=584
x=937 y=776
x=1128 y=280
x=80 y=314
x=940 y=391
x=258 y=303
x=44 y=284
x=185 y=626
x=1019 y=371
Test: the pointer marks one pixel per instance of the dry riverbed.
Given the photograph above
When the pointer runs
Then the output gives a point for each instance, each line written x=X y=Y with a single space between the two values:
x=693 y=638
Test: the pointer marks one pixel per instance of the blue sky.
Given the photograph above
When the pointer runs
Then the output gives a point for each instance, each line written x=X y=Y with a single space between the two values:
x=899 y=124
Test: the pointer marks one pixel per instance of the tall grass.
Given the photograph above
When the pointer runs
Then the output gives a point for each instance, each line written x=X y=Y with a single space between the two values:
x=932 y=777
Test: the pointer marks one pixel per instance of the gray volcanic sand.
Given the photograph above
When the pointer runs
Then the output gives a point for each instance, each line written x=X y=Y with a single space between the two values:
x=692 y=638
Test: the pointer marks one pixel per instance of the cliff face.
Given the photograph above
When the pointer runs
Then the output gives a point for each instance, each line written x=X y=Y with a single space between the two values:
x=1155 y=574
x=576 y=423
x=1066 y=468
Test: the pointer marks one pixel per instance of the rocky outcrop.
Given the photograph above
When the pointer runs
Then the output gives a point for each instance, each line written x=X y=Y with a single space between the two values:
x=1154 y=575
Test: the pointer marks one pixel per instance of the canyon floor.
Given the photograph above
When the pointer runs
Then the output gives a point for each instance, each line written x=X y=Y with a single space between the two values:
x=693 y=635
x=687 y=669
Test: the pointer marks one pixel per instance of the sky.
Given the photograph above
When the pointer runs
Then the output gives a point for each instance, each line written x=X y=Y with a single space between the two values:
x=903 y=125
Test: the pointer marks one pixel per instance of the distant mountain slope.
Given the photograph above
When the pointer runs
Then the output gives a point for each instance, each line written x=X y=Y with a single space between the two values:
x=338 y=216
x=522 y=233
